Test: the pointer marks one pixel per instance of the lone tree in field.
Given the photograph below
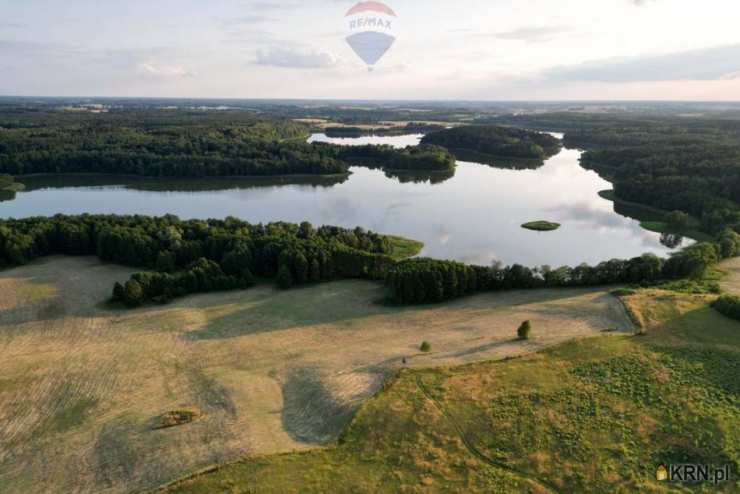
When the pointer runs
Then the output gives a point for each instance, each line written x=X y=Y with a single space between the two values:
x=524 y=330
x=425 y=347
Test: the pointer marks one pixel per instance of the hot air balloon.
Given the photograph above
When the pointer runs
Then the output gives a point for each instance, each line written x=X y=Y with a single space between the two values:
x=371 y=30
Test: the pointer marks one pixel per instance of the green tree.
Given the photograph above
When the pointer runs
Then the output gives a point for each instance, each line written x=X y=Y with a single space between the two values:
x=248 y=279
x=678 y=219
x=300 y=264
x=315 y=271
x=235 y=262
x=133 y=293
x=524 y=330
x=165 y=261
x=284 y=277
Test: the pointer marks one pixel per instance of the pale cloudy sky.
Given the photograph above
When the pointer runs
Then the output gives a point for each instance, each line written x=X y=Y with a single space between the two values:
x=445 y=49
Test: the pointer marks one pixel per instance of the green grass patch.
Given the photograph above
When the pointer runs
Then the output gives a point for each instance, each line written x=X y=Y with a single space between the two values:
x=541 y=226
x=404 y=248
x=71 y=416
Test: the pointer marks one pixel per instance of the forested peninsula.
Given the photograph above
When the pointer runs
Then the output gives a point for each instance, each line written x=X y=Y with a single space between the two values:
x=495 y=144
x=154 y=145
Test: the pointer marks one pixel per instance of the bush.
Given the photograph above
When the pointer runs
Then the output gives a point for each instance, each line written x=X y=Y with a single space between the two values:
x=524 y=330
x=119 y=293
x=425 y=347
x=133 y=293
x=729 y=305
x=623 y=292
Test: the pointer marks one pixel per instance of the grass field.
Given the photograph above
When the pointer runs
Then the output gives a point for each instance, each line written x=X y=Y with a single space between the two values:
x=593 y=415
x=403 y=248
x=84 y=388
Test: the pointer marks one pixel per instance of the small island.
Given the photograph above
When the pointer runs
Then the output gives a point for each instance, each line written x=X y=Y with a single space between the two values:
x=541 y=226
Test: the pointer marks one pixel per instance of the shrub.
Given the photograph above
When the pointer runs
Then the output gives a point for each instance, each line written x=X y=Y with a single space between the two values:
x=119 y=292
x=729 y=305
x=524 y=330
x=623 y=292
x=133 y=293
x=425 y=347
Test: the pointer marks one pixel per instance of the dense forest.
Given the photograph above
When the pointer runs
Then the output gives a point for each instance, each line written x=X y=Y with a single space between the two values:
x=197 y=256
x=182 y=257
x=672 y=163
x=494 y=141
x=177 y=144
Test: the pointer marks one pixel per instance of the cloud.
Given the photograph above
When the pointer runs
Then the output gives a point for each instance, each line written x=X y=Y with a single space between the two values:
x=531 y=34
x=296 y=58
x=164 y=71
x=246 y=20
x=273 y=6
x=717 y=63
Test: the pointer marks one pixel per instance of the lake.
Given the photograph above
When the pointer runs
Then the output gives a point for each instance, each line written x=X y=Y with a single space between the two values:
x=473 y=216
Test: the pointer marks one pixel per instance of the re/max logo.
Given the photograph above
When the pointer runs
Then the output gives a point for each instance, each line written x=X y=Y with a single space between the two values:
x=693 y=473
x=367 y=22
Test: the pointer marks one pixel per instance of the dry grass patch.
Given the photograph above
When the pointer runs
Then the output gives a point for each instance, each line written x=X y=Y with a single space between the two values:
x=270 y=371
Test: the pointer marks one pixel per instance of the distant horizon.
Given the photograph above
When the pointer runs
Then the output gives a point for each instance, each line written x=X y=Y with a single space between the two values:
x=472 y=50
x=375 y=100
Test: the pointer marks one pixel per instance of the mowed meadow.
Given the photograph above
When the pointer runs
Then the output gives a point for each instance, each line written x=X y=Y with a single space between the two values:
x=84 y=386
x=596 y=414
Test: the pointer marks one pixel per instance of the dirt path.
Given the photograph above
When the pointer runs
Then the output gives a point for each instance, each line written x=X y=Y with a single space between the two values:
x=82 y=385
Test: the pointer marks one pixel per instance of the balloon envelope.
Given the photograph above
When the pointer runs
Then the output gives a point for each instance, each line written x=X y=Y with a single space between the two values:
x=370 y=46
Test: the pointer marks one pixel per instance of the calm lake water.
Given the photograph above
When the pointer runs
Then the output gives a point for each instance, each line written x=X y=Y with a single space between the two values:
x=474 y=216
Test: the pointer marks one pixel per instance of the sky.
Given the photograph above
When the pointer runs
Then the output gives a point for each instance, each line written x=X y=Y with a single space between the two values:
x=443 y=49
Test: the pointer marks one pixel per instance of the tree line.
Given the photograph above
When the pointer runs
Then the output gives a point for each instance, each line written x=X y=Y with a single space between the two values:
x=182 y=257
x=199 y=255
x=419 y=281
